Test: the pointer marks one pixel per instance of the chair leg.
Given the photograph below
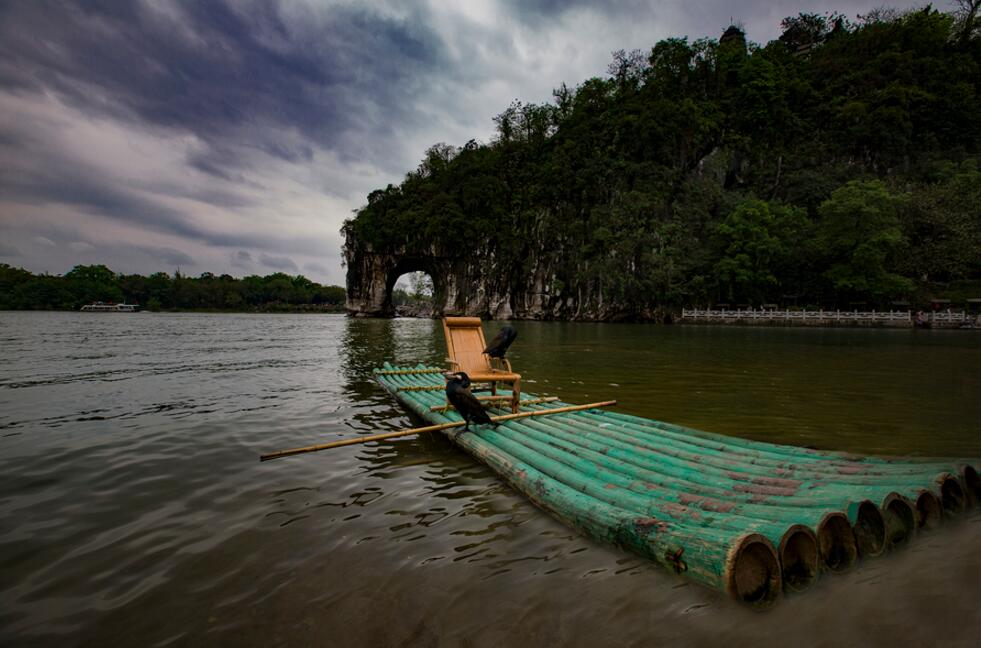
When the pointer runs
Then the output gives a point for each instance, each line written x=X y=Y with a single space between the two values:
x=515 y=396
x=493 y=389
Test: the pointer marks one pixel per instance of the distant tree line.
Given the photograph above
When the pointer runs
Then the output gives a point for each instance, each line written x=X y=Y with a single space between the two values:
x=84 y=284
x=840 y=163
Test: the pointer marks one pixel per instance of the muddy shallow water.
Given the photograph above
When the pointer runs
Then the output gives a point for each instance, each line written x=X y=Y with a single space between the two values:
x=134 y=511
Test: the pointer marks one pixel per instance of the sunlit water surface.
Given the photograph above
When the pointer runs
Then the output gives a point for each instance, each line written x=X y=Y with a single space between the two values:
x=134 y=510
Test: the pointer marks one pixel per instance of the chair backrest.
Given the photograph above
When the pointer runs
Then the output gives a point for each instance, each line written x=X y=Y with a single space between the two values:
x=465 y=344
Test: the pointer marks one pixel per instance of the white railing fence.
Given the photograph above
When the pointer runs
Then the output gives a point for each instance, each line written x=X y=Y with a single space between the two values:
x=773 y=315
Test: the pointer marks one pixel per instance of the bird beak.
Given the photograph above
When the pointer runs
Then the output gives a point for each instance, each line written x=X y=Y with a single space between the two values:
x=449 y=375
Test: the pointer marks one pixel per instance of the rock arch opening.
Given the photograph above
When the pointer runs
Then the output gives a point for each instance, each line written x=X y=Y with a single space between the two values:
x=411 y=294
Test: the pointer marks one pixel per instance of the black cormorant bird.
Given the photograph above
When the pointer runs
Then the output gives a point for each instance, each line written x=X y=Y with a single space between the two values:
x=499 y=345
x=458 y=393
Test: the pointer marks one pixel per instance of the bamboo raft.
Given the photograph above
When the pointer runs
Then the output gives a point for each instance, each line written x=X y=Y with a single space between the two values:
x=750 y=518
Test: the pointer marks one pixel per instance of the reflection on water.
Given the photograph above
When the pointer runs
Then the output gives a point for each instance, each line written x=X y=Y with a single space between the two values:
x=133 y=510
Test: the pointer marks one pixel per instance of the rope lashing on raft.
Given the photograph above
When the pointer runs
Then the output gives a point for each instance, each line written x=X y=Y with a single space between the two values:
x=405 y=372
x=676 y=561
x=421 y=388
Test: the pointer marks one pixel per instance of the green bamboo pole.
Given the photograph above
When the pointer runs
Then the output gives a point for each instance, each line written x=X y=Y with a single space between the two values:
x=902 y=515
x=898 y=517
x=651 y=484
x=722 y=457
x=733 y=470
x=413 y=398
x=673 y=467
x=744 y=565
x=798 y=544
x=909 y=486
x=786 y=452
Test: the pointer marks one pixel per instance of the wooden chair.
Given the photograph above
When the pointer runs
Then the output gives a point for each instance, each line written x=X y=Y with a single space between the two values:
x=465 y=345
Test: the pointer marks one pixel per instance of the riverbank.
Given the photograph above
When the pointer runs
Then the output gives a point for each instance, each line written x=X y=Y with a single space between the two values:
x=864 y=319
x=270 y=309
x=776 y=318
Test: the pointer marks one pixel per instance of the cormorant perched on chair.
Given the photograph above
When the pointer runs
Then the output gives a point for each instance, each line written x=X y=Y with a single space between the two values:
x=499 y=345
x=458 y=393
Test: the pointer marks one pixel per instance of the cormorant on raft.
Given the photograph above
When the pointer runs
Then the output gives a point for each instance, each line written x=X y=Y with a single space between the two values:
x=499 y=345
x=458 y=393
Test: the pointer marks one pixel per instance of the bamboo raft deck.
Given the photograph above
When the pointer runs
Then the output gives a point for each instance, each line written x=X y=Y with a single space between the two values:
x=750 y=518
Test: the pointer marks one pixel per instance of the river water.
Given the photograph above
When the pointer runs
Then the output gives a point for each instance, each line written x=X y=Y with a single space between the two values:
x=134 y=510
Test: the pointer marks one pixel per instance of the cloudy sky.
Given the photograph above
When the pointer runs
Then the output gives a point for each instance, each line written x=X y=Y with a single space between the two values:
x=237 y=135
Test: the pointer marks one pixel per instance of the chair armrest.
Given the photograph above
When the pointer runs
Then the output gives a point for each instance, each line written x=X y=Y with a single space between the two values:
x=500 y=364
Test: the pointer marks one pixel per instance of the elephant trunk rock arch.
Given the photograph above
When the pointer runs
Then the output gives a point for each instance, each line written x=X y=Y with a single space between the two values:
x=477 y=283
x=458 y=283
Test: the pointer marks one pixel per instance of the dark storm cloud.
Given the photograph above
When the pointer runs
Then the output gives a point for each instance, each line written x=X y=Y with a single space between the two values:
x=277 y=262
x=71 y=186
x=536 y=11
x=170 y=255
x=241 y=260
x=225 y=70
x=77 y=186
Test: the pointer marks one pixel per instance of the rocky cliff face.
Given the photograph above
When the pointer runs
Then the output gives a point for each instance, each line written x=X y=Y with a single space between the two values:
x=475 y=284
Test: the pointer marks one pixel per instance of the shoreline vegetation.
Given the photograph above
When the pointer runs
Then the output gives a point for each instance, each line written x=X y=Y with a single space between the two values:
x=160 y=292
x=281 y=293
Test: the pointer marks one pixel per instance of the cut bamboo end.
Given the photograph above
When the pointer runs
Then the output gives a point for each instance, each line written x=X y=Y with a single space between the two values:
x=836 y=542
x=972 y=484
x=951 y=496
x=900 y=517
x=799 y=558
x=929 y=511
x=870 y=530
x=753 y=572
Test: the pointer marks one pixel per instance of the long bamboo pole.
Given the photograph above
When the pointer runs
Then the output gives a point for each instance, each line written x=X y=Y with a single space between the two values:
x=428 y=428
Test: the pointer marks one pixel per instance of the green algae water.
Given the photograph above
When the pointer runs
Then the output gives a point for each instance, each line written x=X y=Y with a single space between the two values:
x=134 y=511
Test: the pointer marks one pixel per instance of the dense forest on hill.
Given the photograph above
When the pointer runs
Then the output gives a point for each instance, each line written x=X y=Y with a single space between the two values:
x=22 y=290
x=840 y=163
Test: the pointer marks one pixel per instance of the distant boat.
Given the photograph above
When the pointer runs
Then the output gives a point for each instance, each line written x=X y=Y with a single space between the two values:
x=102 y=307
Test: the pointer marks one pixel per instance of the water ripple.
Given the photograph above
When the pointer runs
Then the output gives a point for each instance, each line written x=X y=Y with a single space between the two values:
x=134 y=511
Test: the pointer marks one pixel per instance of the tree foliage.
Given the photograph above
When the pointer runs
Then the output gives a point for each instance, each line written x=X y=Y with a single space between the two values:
x=757 y=240
x=836 y=163
x=860 y=235
x=22 y=290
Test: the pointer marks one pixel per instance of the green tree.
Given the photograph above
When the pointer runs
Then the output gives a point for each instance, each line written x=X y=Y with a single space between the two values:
x=861 y=236
x=944 y=225
x=756 y=239
x=10 y=279
x=92 y=283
